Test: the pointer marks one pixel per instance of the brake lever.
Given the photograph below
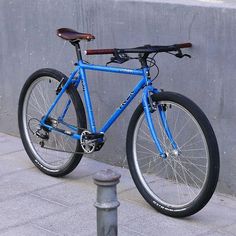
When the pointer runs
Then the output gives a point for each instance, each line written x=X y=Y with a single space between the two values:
x=181 y=55
x=187 y=55
x=118 y=58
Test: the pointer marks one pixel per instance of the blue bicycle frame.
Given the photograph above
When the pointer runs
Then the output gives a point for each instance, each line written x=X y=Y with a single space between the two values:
x=145 y=84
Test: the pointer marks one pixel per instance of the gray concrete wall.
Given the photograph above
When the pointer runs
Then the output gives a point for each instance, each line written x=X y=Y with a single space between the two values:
x=28 y=42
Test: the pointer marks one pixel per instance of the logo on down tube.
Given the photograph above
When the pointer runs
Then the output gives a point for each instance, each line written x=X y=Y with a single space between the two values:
x=127 y=99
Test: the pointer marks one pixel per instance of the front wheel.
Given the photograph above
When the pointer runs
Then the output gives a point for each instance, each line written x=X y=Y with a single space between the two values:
x=182 y=183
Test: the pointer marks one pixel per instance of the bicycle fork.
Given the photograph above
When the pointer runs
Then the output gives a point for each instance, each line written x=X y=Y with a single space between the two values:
x=148 y=109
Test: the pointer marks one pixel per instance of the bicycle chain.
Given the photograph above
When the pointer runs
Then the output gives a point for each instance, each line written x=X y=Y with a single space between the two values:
x=58 y=150
x=96 y=148
x=46 y=136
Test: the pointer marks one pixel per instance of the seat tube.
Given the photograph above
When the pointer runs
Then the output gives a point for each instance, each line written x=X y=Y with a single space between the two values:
x=87 y=99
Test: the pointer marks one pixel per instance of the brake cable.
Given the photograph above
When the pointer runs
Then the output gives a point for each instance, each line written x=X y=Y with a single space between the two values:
x=152 y=63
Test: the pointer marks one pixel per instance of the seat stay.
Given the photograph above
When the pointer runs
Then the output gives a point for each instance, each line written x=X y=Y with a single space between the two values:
x=67 y=84
x=75 y=82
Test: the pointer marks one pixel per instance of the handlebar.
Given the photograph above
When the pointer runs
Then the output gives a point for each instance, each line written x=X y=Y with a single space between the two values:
x=99 y=51
x=184 y=45
x=143 y=49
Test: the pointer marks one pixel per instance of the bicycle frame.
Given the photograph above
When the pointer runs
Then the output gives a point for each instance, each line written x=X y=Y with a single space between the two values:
x=145 y=84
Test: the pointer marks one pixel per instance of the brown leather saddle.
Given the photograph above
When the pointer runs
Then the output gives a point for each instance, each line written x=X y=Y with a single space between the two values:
x=73 y=36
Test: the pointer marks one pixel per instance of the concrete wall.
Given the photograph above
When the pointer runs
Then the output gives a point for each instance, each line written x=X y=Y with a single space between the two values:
x=28 y=42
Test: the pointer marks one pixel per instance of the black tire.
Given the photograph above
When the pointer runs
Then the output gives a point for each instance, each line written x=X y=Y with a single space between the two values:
x=197 y=156
x=30 y=112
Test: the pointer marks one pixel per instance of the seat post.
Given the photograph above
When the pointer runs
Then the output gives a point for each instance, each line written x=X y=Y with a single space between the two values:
x=78 y=50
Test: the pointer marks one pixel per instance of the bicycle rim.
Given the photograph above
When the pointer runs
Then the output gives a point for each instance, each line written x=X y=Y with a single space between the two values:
x=179 y=179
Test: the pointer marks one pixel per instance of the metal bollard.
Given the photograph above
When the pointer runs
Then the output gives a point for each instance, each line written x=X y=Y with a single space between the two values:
x=107 y=203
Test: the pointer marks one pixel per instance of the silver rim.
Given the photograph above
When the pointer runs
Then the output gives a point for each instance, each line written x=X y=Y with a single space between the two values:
x=39 y=97
x=179 y=179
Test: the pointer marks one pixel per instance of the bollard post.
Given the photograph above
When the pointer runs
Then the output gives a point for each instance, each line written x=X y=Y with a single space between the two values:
x=106 y=203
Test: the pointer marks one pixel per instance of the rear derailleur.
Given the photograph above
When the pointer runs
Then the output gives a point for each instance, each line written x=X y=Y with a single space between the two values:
x=42 y=132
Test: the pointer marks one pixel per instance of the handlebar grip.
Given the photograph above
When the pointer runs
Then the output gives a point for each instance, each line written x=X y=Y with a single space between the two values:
x=184 y=45
x=99 y=51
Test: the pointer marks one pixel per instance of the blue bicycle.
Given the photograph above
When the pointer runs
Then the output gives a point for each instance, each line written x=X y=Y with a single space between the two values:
x=172 y=150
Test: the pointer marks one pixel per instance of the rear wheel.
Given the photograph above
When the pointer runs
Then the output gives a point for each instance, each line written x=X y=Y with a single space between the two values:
x=181 y=184
x=53 y=153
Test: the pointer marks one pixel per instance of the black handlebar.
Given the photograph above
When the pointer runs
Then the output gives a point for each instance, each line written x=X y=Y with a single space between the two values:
x=184 y=45
x=120 y=55
x=144 y=49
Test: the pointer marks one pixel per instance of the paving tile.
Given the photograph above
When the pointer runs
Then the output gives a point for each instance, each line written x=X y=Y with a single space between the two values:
x=157 y=224
x=82 y=217
x=86 y=167
x=231 y=229
x=126 y=181
x=209 y=218
x=224 y=200
x=32 y=203
x=216 y=233
x=24 y=209
x=70 y=193
x=9 y=144
x=79 y=220
x=130 y=211
x=125 y=231
x=28 y=230
x=132 y=195
x=213 y=216
x=13 y=162
x=23 y=182
x=89 y=167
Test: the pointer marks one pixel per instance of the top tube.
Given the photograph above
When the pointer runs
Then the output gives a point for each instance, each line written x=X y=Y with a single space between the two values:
x=111 y=69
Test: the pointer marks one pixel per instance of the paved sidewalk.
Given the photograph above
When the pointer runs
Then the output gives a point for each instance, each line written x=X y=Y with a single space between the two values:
x=32 y=203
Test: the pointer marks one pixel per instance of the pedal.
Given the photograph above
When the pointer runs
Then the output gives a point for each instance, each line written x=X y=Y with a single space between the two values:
x=98 y=145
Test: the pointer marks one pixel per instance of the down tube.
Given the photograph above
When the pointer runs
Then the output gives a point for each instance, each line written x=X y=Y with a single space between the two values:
x=122 y=107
